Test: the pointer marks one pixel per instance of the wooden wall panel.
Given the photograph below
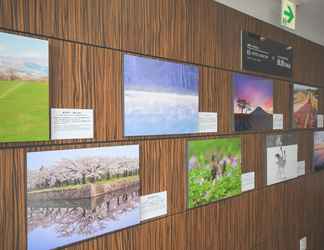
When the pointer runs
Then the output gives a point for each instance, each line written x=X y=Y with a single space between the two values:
x=314 y=202
x=265 y=211
x=202 y=32
x=163 y=170
x=305 y=149
x=214 y=92
x=233 y=225
x=12 y=199
x=308 y=62
x=270 y=212
x=253 y=158
x=213 y=35
x=282 y=101
x=202 y=24
x=95 y=22
x=87 y=42
x=294 y=225
x=89 y=77
x=321 y=102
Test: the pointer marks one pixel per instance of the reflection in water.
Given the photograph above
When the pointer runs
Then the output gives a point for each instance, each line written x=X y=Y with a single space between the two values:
x=66 y=221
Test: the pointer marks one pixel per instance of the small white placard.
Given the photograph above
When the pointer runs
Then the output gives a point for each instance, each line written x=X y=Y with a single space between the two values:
x=278 y=121
x=301 y=168
x=320 y=121
x=207 y=122
x=153 y=205
x=248 y=181
x=71 y=124
x=303 y=243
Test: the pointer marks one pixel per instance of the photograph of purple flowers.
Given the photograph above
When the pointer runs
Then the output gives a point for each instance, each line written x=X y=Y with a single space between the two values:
x=253 y=102
x=214 y=170
x=74 y=195
x=160 y=97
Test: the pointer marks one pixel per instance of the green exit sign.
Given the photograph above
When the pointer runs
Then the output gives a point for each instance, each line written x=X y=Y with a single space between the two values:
x=288 y=14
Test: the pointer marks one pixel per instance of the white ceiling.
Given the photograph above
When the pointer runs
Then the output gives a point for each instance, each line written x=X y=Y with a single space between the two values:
x=309 y=21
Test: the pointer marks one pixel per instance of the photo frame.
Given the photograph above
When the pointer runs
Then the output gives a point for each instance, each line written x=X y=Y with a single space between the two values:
x=305 y=106
x=78 y=194
x=160 y=97
x=214 y=170
x=281 y=158
x=252 y=102
x=24 y=88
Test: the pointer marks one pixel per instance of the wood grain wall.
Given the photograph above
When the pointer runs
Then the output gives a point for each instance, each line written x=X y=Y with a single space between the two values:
x=87 y=43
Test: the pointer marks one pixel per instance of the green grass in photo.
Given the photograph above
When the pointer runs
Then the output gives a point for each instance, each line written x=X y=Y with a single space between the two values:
x=24 y=111
x=203 y=188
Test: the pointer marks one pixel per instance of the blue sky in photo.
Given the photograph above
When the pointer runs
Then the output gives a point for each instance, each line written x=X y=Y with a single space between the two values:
x=148 y=74
x=22 y=46
x=36 y=160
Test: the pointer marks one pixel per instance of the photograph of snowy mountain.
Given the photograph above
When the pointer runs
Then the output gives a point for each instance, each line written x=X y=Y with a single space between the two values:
x=160 y=97
x=306 y=101
x=253 y=102
x=73 y=195
x=23 y=88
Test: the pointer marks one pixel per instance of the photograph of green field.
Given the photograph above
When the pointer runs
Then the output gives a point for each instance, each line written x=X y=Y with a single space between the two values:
x=214 y=170
x=24 y=97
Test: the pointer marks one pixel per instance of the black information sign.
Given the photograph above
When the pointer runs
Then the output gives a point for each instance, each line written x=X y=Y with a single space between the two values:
x=263 y=55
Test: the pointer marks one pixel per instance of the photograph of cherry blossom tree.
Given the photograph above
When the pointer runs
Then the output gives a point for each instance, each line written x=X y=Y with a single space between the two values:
x=73 y=195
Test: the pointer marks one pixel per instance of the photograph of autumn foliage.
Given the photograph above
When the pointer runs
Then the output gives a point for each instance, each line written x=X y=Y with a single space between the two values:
x=253 y=102
x=73 y=195
x=24 y=97
x=306 y=101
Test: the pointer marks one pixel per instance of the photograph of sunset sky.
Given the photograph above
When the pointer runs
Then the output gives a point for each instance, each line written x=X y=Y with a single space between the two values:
x=253 y=102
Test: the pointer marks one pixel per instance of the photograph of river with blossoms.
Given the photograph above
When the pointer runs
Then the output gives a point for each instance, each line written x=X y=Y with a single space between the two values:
x=73 y=195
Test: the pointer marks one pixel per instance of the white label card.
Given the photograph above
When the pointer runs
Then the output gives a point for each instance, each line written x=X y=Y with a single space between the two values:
x=301 y=168
x=278 y=121
x=248 y=181
x=153 y=205
x=320 y=121
x=303 y=243
x=71 y=124
x=207 y=122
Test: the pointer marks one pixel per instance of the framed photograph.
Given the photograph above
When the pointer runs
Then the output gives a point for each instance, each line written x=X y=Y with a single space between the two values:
x=282 y=158
x=74 y=195
x=305 y=106
x=318 y=154
x=214 y=170
x=160 y=97
x=24 y=92
x=252 y=102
